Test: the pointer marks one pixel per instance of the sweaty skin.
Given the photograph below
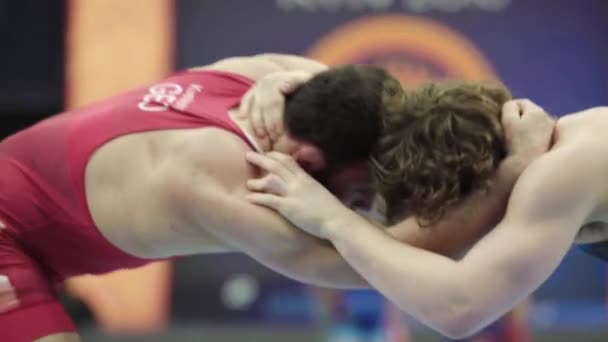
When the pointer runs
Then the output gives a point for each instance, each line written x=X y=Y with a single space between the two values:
x=176 y=192
x=557 y=194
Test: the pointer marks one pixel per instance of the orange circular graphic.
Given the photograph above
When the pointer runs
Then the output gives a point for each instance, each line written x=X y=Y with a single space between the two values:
x=412 y=48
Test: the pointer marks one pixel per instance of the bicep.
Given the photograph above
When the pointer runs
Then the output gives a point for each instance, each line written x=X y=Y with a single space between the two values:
x=251 y=67
x=544 y=214
x=259 y=66
x=293 y=62
x=231 y=217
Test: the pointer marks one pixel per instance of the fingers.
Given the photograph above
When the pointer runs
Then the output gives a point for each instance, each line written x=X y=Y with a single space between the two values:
x=528 y=129
x=514 y=110
x=267 y=200
x=528 y=106
x=265 y=103
x=257 y=120
x=288 y=87
x=273 y=116
x=287 y=161
x=269 y=165
x=510 y=113
x=246 y=104
x=270 y=183
x=267 y=114
x=276 y=112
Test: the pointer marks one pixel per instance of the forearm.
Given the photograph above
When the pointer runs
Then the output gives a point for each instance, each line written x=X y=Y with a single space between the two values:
x=300 y=256
x=320 y=266
x=273 y=241
x=290 y=252
x=294 y=62
x=259 y=66
x=426 y=285
x=458 y=297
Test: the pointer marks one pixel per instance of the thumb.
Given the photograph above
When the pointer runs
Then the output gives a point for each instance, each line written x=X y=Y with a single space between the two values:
x=294 y=82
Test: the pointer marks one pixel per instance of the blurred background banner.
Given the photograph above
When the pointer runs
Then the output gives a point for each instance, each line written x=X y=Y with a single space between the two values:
x=553 y=51
x=112 y=46
x=62 y=54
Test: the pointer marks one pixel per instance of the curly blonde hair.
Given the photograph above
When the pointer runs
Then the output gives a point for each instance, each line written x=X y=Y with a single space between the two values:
x=445 y=143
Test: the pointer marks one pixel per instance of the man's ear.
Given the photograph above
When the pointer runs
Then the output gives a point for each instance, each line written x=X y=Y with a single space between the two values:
x=310 y=157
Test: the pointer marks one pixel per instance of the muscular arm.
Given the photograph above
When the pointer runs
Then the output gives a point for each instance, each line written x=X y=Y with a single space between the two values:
x=459 y=297
x=258 y=66
x=462 y=226
x=218 y=204
x=293 y=62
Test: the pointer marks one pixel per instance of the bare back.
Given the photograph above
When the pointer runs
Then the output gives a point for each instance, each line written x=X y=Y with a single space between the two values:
x=129 y=194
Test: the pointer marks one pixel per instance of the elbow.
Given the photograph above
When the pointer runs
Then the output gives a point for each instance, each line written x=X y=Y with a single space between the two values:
x=456 y=316
x=459 y=325
x=456 y=330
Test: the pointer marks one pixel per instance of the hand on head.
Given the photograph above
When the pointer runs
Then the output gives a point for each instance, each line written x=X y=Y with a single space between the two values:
x=264 y=103
x=528 y=129
x=288 y=189
x=470 y=132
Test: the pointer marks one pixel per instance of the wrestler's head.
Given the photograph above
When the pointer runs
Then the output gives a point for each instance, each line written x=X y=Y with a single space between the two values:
x=445 y=143
x=336 y=117
x=334 y=121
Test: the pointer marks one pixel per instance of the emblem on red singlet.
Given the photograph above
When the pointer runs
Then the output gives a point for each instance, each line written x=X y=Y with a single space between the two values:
x=162 y=96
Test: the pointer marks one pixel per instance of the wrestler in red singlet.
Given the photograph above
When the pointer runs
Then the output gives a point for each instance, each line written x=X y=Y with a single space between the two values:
x=178 y=194
x=46 y=230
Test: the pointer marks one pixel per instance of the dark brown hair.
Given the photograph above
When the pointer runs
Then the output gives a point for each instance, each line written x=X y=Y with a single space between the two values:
x=340 y=111
x=445 y=143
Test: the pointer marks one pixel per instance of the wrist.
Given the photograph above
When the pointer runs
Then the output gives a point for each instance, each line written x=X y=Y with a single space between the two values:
x=331 y=226
x=339 y=225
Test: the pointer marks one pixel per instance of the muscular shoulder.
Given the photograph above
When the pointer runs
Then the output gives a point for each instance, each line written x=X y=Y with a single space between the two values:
x=562 y=180
x=214 y=156
x=579 y=124
x=600 y=110
x=252 y=67
x=258 y=66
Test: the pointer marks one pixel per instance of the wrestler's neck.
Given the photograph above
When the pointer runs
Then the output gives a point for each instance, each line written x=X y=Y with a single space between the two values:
x=264 y=144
